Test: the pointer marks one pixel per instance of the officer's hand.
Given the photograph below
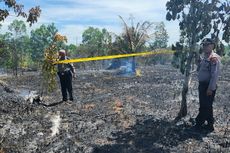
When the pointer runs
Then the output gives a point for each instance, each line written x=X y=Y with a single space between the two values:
x=209 y=92
x=74 y=75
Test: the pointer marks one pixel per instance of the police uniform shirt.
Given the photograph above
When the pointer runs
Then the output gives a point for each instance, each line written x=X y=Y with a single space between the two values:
x=65 y=67
x=209 y=70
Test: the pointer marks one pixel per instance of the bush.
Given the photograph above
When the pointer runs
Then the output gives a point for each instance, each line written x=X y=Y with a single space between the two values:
x=225 y=60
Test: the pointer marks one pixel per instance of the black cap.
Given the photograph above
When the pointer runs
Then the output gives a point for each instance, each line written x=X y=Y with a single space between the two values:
x=207 y=41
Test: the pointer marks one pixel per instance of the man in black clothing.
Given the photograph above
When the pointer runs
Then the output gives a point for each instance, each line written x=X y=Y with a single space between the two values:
x=65 y=73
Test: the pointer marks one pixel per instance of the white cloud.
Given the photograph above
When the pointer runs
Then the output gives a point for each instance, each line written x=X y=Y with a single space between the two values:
x=104 y=9
x=104 y=14
x=72 y=17
x=73 y=33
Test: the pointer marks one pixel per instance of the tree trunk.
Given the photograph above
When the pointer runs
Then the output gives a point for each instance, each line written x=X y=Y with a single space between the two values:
x=183 y=108
x=16 y=70
x=15 y=60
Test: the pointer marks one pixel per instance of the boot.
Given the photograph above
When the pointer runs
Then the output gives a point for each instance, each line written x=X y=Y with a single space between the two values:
x=64 y=99
x=71 y=97
x=196 y=128
x=209 y=127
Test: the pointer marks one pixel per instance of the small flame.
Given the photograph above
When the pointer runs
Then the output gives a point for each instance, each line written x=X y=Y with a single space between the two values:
x=138 y=72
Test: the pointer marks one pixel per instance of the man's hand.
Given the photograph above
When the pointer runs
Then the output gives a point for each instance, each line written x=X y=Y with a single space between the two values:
x=209 y=92
x=213 y=59
x=74 y=75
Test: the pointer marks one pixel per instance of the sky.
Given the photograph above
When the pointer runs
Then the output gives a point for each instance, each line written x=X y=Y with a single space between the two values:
x=72 y=17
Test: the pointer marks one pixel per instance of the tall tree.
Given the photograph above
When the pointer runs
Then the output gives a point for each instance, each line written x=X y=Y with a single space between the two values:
x=25 y=60
x=40 y=39
x=18 y=9
x=5 y=53
x=160 y=36
x=160 y=39
x=197 y=19
x=106 y=42
x=18 y=30
x=96 y=41
x=1 y=44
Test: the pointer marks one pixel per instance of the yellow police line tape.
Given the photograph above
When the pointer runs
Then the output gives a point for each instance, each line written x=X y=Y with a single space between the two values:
x=114 y=56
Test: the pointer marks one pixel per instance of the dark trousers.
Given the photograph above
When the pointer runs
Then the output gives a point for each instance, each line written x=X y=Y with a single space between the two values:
x=66 y=84
x=205 y=110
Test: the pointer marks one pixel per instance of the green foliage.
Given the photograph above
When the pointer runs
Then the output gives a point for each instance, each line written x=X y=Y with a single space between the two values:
x=225 y=60
x=197 y=20
x=180 y=57
x=40 y=39
x=4 y=49
x=49 y=70
x=24 y=56
x=200 y=18
x=227 y=50
x=71 y=49
x=133 y=38
x=15 y=51
x=17 y=28
x=160 y=37
x=96 y=41
x=17 y=44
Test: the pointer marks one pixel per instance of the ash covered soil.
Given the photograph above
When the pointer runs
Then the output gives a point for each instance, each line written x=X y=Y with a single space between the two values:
x=111 y=114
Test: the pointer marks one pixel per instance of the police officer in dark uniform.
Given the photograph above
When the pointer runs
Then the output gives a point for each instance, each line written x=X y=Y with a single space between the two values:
x=208 y=72
x=65 y=72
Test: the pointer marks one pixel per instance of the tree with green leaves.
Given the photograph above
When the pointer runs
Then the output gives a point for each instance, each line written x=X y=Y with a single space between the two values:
x=226 y=59
x=1 y=45
x=97 y=41
x=18 y=9
x=49 y=70
x=5 y=52
x=160 y=36
x=18 y=31
x=160 y=39
x=71 y=49
x=227 y=50
x=40 y=39
x=25 y=60
x=197 y=19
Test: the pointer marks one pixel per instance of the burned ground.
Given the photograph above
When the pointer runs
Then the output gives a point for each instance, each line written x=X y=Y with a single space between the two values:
x=110 y=114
